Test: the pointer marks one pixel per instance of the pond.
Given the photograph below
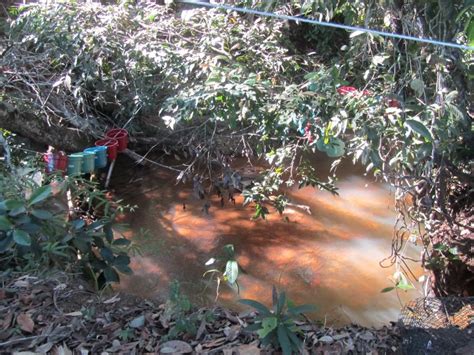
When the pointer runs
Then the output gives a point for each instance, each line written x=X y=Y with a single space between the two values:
x=329 y=258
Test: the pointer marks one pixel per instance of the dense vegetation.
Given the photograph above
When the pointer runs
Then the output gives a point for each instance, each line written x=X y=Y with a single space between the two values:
x=204 y=86
x=51 y=222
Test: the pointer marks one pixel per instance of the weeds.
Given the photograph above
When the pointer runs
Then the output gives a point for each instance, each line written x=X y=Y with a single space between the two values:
x=277 y=326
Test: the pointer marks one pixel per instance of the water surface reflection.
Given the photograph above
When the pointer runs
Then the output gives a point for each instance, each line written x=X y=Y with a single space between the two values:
x=330 y=258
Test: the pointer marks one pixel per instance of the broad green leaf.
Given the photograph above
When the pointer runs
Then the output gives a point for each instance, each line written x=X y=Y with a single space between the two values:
x=5 y=223
x=294 y=339
x=98 y=241
x=231 y=271
x=109 y=233
x=6 y=242
x=122 y=260
x=257 y=305
x=387 y=289
x=283 y=339
x=111 y=275
x=107 y=254
x=40 y=194
x=334 y=149
x=305 y=308
x=419 y=128
x=268 y=325
x=30 y=227
x=124 y=269
x=229 y=250
x=11 y=204
x=42 y=214
x=418 y=86
x=281 y=302
x=78 y=224
x=67 y=238
x=404 y=285
x=17 y=211
x=81 y=244
x=470 y=33
x=21 y=237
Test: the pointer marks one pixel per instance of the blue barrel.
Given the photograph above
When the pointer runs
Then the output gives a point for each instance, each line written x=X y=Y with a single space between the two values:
x=100 y=156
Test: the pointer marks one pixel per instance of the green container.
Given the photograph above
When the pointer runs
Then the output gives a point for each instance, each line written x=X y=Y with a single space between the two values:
x=74 y=165
x=88 y=163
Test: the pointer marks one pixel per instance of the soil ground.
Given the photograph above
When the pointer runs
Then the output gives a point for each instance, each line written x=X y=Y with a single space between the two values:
x=61 y=314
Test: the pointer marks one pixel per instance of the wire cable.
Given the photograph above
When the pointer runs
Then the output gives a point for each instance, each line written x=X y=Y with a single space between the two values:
x=328 y=24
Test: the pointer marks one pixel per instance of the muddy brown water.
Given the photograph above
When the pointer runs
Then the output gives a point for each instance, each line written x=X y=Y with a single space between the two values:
x=329 y=258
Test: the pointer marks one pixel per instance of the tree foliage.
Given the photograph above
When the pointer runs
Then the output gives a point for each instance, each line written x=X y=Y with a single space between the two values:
x=208 y=85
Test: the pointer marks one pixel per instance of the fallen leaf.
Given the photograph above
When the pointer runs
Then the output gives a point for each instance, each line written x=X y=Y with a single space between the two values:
x=25 y=322
x=61 y=350
x=45 y=348
x=232 y=333
x=175 y=347
x=348 y=345
x=74 y=314
x=138 y=322
x=7 y=321
x=116 y=346
x=201 y=329
x=214 y=343
x=60 y=287
x=25 y=299
x=248 y=349
x=112 y=300
x=326 y=339
x=367 y=336
x=21 y=284
x=340 y=336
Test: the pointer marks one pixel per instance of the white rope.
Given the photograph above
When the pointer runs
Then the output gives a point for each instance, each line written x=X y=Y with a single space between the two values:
x=328 y=24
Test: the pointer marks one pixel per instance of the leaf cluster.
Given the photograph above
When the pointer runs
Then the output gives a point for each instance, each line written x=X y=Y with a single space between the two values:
x=277 y=326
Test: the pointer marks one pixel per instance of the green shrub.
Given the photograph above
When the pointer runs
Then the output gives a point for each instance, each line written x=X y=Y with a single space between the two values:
x=277 y=326
x=37 y=233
